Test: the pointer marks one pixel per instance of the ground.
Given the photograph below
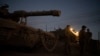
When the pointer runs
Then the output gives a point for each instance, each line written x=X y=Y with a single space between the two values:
x=41 y=51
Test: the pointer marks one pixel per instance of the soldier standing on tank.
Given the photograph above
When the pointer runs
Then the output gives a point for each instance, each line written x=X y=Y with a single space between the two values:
x=4 y=14
x=67 y=40
x=82 y=36
x=4 y=11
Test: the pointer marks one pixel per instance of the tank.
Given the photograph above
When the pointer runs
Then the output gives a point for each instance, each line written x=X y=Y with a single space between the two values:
x=13 y=33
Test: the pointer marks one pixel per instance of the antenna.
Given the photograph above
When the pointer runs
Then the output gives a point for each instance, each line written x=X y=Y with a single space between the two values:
x=46 y=27
x=98 y=40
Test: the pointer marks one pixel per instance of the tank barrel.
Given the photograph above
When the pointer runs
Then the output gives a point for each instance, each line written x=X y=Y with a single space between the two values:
x=36 y=13
x=44 y=13
x=16 y=15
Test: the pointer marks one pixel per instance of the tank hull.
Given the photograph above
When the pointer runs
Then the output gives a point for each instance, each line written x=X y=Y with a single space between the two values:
x=14 y=34
x=19 y=35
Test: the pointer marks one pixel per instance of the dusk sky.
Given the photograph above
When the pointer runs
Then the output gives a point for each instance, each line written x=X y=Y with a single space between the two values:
x=73 y=12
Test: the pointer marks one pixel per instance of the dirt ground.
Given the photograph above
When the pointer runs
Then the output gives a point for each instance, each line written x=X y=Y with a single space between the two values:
x=41 y=51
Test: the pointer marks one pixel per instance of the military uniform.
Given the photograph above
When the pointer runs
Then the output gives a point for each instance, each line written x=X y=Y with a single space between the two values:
x=82 y=36
x=67 y=40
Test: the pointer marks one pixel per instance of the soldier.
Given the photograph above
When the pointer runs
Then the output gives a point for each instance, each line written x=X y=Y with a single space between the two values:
x=82 y=36
x=67 y=39
x=4 y=11
x=88 y=39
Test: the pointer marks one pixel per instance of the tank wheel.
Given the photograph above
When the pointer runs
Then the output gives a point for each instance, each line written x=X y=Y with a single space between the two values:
x=49 y=42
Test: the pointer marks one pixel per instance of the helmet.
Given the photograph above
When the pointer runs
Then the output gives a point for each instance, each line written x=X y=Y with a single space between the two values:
x=83 y=26
x=5 y=6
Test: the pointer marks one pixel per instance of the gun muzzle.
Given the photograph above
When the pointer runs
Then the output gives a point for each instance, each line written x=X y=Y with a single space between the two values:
x=56 y=12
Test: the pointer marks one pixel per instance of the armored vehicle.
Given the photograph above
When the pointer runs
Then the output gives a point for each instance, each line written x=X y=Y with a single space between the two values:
x=15 y=32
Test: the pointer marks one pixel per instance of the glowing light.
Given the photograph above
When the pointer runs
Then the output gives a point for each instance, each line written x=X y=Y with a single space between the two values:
x=71 y=29
x=75 y=33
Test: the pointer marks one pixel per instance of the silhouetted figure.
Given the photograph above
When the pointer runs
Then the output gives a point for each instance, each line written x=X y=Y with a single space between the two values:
x=67 y=40
x=4 y=11
x=82 y=36
x=88 y=39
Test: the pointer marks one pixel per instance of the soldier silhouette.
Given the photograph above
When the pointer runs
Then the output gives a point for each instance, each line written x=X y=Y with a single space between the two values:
x=82 y=36
x=4 y=11
x=67 y=40
x=88 y=39
x=4 y=14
